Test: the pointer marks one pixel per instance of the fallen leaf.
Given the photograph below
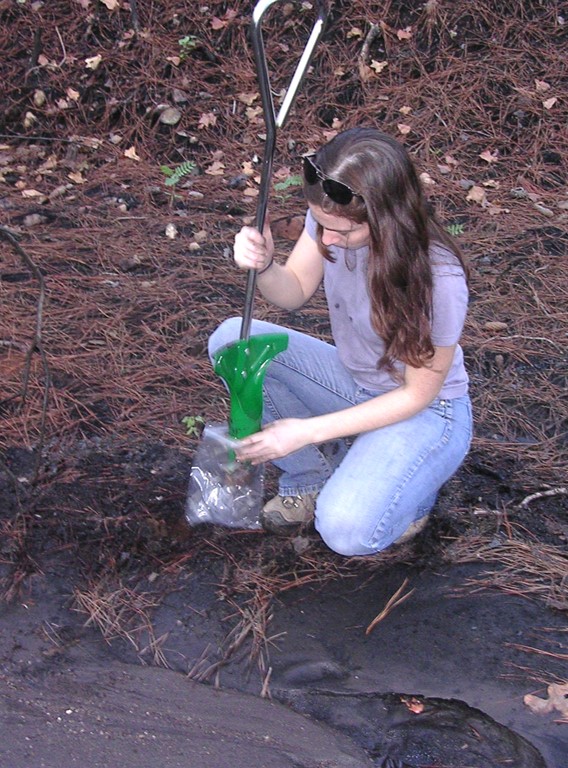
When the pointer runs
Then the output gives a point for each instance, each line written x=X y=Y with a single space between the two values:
x=365 y=72
x=476 y=195
x=131 y=153
x=31 y=193
x=29 y=119
x=93 y=61
x=217 y=23
x=91 y=142
x=404 y=34
x=76 y=177
x=541 y=86
x=207 y=120
x=253 y=113
x=73 y=94
x=403 y=128
x=111 y=4
x=284 y=172
x=355 y=32
x=248 y=98
x=413 y=704
x=494 y=210
x=48 y=165
x=215 y=169
x=247 y=168
x=425 y=178
x=489 y=157
x=450 y=160
x=405 y=110
x=557 y=699
x=175 y=60
x=549 y=103
x=491 y=183
x=378 y=66
x=201 y=236
x=250 y=192
x=39 y=98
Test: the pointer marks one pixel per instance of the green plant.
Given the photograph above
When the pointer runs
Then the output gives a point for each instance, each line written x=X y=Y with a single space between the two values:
x=455 y=229
x=291 y=181
x=187 y=44
x=173 y=175
x=193 y=425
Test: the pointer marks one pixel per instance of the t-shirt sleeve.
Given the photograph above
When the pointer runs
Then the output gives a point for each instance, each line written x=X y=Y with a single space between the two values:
x=310 y=225
x=449 y=303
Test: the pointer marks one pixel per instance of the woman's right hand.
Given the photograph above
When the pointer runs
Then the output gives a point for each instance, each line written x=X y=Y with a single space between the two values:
x=253 y=250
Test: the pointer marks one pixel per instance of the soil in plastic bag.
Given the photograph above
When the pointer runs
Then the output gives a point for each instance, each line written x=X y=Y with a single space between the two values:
x=222 y=490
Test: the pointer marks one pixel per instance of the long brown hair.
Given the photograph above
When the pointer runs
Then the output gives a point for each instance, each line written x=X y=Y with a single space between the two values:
x=391 y=201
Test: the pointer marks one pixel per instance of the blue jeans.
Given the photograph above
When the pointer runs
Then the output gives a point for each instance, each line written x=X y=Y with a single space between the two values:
x=371 y=488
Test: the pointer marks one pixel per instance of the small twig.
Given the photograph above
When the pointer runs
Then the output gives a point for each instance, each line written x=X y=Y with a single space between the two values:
x=371 y=35
x=36 y=344
x=538 y=651
x=64 y=59
x=391 y=604
x=485 y=342
x=541 y=494
x=36 y=50
x=265 y=691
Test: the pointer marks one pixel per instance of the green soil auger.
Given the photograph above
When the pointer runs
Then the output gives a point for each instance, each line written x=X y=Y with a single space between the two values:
x=242 y=365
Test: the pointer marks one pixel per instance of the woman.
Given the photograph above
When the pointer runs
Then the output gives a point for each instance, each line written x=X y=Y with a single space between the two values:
x=367 y=430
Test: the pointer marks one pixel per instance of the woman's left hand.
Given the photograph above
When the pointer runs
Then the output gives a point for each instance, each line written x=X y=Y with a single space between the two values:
x=276 y=440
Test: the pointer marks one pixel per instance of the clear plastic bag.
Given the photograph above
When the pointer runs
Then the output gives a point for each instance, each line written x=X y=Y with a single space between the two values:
x=221 y=490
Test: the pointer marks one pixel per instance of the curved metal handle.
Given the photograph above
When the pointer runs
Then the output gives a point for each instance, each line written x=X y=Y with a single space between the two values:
x=273 y=121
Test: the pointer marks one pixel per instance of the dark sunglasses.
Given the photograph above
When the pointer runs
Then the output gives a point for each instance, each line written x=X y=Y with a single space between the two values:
x=337 y=191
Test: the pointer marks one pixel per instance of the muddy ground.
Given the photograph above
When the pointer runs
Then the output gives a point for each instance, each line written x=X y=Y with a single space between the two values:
x=128 y=636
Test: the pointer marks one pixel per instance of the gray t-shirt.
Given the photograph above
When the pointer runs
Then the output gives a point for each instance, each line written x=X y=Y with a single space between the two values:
x=359 y=346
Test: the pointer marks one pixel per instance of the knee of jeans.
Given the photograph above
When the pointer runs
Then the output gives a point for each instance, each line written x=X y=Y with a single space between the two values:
x=339 y=532
x=228 y=331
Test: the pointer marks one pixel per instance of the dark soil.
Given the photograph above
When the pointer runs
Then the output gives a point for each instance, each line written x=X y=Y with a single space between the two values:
x=128 y=637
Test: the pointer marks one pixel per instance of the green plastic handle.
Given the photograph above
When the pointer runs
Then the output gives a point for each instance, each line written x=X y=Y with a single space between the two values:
x=242 y=366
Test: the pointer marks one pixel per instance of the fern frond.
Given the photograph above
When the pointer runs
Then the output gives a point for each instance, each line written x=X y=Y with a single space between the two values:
x=184 y=169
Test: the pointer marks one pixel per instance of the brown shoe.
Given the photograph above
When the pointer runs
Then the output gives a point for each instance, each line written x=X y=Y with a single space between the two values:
x=412 y=530
x=285 y=512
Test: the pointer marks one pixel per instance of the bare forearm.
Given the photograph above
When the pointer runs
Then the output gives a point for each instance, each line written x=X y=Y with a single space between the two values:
x=390 y=408
x=420 y=387
x=281 y=287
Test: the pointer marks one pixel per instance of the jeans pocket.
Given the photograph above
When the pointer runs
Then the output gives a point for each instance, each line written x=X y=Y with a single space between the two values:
x=443 y=408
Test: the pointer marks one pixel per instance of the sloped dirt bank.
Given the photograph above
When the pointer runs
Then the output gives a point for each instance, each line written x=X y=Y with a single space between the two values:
x=439 y=681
